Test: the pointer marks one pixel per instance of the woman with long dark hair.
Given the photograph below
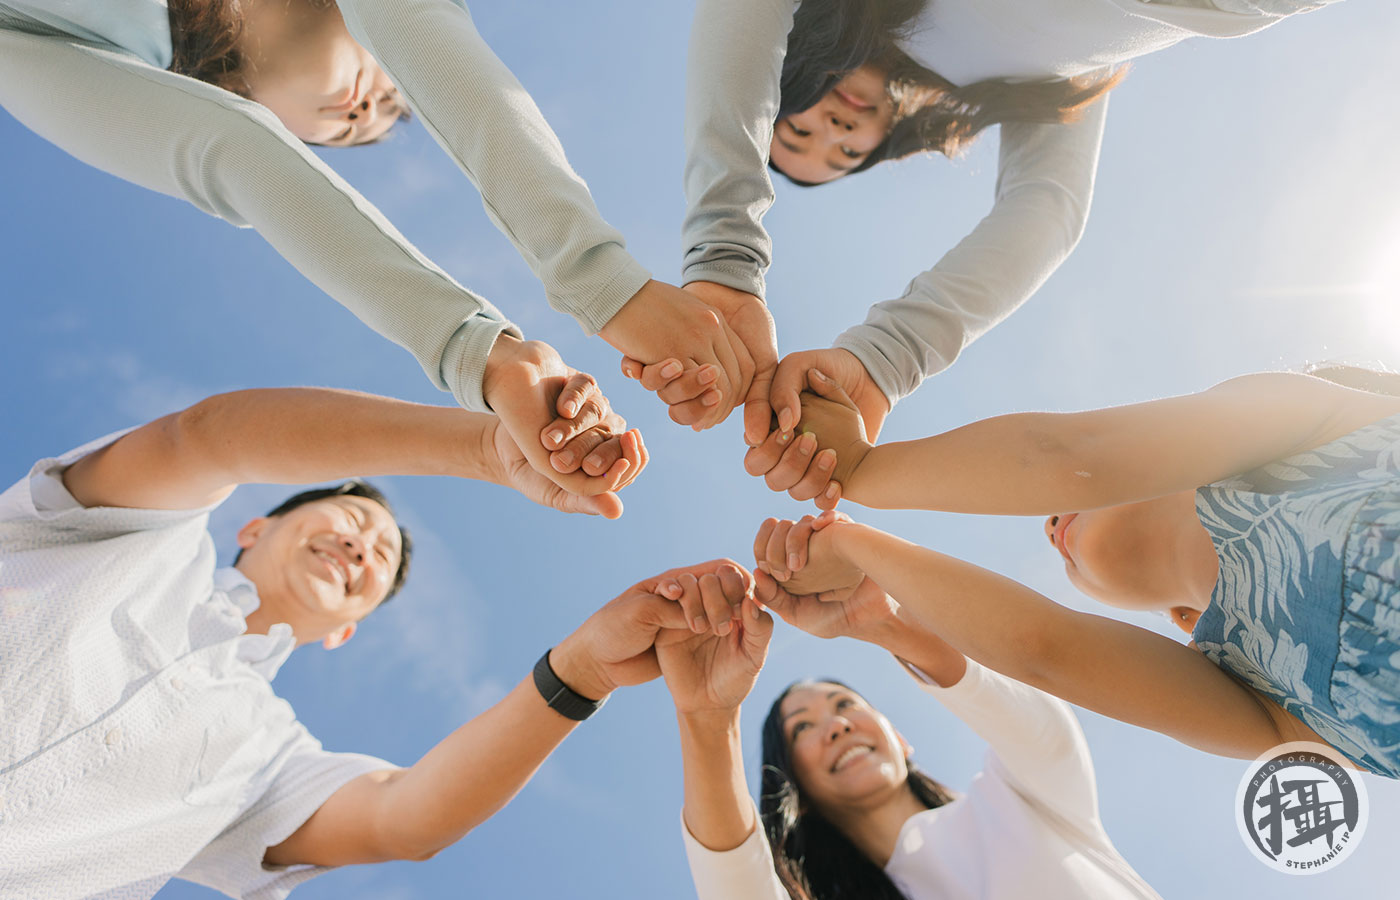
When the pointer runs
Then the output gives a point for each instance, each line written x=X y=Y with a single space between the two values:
x=213 y=101
x=844 y=810
x=827 y=88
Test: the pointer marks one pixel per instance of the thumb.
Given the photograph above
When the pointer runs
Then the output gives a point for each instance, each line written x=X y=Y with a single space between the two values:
x=829 y=388
x=758 y=625
x=787 y=383
x=758 y=411
x=608 y=505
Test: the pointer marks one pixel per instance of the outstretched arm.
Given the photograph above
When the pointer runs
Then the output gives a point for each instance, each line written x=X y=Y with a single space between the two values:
x=196 y=457
x=1046 y=463
x=1113 y=668
x=415 y=812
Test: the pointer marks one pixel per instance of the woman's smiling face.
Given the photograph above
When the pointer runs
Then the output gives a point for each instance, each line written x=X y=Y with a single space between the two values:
x=834 y=136
x=844 y=753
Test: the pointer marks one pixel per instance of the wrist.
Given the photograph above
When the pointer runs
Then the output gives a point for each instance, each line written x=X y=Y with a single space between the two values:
x=709 y=722
x=503 y=353
x=579 y=671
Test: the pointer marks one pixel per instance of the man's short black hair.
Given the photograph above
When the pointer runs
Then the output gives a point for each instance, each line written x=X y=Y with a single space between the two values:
x=352 y=488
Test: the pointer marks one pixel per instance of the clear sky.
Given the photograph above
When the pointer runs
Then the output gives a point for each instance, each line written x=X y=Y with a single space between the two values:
x=1245 y=219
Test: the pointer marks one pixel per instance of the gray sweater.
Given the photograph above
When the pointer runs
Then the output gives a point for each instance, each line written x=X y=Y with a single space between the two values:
x=90 y=78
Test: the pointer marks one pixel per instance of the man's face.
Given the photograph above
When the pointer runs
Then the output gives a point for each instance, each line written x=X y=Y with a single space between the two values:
x=324 y=565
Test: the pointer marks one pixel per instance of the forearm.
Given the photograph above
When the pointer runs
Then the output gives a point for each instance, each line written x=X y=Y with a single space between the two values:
x=1044 y=188
x=732 y=91
x=470 y=776
x=910 y=640
x=718 y=811
x=1047 y=463
x=1111 y=667
x=479 y=113
x=281 y=436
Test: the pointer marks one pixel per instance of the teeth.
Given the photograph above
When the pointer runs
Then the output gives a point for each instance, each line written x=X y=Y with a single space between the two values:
x=849 y=755
x=335 y=564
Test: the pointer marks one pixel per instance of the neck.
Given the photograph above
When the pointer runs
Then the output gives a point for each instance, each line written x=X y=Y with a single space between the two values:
x=1197 y=567
x=875 y=829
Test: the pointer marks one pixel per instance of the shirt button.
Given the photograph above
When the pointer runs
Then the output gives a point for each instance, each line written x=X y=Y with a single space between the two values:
x=113 y=737
x=177 y=683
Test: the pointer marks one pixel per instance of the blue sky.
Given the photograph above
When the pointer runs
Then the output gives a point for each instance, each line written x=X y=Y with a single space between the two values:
x=1244 y=219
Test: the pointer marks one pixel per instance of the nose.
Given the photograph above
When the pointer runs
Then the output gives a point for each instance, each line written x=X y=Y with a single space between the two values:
x=364 y=112
x=354 y=548
x=1050 y=524
x=839 y=126
x=839 y=726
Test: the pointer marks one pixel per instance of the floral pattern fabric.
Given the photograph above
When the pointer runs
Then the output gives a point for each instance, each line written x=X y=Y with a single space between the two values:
x=1307 y=606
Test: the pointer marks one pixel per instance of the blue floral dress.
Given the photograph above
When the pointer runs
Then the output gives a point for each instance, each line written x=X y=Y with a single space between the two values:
x=1307 y=606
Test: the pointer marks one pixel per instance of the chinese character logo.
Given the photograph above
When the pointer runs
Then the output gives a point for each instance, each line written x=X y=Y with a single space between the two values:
x=1300 y=810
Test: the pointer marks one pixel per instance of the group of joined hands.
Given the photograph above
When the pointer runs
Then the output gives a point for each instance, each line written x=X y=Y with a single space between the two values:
x=706 y=627
x=703 y=350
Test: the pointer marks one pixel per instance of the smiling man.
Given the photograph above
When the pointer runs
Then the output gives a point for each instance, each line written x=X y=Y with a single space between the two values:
x=140 y=737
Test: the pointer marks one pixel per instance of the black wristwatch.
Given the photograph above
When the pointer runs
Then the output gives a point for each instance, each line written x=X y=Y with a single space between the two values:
x=560 y=697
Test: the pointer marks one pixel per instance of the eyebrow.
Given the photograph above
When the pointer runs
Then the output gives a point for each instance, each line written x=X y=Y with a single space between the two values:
x=798 y=150
x=802 y=709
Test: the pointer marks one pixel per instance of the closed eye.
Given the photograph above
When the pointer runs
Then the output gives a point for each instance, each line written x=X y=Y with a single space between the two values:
x=795 y=130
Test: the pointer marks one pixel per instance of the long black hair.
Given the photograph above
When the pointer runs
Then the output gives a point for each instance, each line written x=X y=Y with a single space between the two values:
x=813 y=858
x=832 y=38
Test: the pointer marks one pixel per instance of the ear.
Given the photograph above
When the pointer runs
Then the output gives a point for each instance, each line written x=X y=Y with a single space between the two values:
x=339 y=636
x=1184 y=617
x=248 y=535
x=904 y=745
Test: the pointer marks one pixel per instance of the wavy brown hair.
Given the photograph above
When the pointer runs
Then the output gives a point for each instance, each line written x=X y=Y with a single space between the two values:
x=832 y=38
x=204 y=35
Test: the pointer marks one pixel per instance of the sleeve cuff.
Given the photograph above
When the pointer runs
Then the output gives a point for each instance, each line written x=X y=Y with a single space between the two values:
x=887 y=378
x=736 y=275
x=464 y=359
x=746 y=871
x=600 y=309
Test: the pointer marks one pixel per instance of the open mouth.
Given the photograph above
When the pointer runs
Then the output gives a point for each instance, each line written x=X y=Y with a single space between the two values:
x=336 y=566
x=852 y=754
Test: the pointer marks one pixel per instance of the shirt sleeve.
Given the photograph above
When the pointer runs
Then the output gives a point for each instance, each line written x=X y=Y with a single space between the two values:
x=746 y=871
x=41 y=498
x=306 y=777
x=1045 y=181
x=1035 y=741
x=480 y=114
x=733 y=79
x=233 y=159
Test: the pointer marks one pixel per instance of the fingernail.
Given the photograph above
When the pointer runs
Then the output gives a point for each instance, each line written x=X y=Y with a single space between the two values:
x=700 y=624
x=722 y=628
x=674 y=589
x=807 y=444
x=567 y=457
x=556 y=436
x=570 y=409
x=831 y=491
x=827 y=458
x=785 y=421
x=818 y=375
x=595 y=461
x=671 y=369
x=793 y=561
x=711 y=398
x=763 y=567
x=708 y=374
x=784 y=436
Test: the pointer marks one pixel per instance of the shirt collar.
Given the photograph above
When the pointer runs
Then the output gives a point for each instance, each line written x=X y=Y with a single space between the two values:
x=264 y=653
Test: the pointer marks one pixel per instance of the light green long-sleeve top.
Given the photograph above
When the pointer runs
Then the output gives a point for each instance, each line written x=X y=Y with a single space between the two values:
x=1045 y=174
x=89 y=76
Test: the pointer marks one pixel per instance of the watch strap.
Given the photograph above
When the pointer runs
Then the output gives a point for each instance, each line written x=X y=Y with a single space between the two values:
x=559 y=696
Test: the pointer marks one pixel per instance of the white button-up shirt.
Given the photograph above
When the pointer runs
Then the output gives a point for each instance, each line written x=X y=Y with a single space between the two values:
x=140 y=738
